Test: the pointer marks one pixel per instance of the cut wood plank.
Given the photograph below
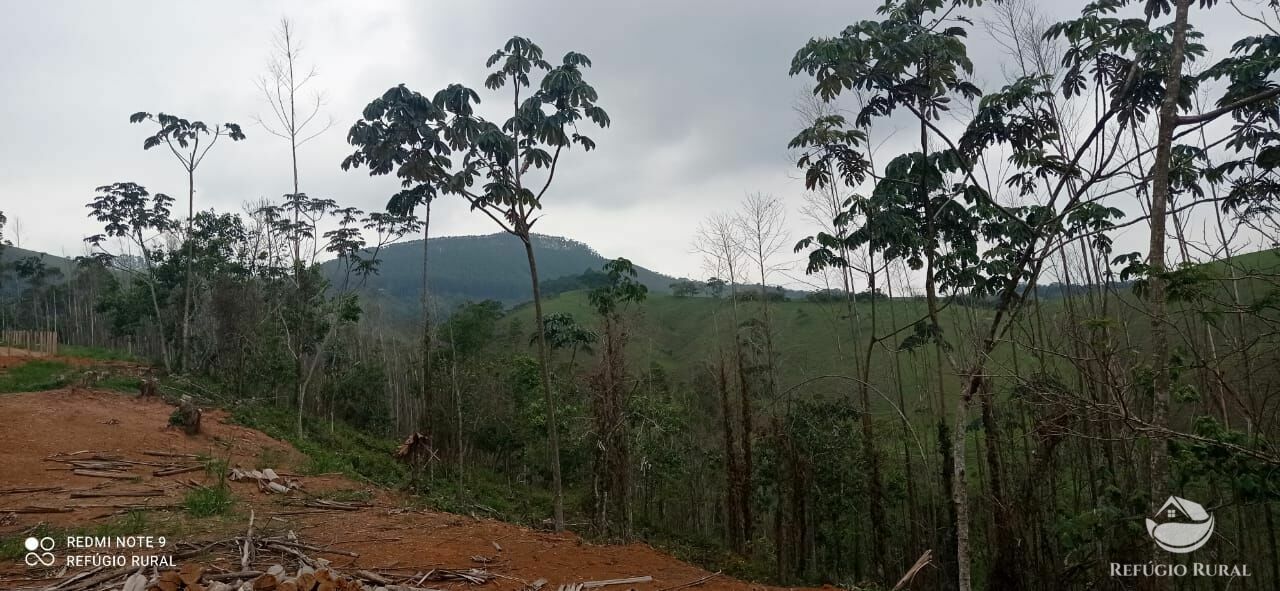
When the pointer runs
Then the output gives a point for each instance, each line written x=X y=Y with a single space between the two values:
x=693 y=583
x=168 y=454
x=101 y=474
x=244 y=574
x=248 y=544
x=29 y=489
x=626 y=581
x=100 y=495
x=37 y=509
x=374 y=577
x=127 y=506
x=177 y=470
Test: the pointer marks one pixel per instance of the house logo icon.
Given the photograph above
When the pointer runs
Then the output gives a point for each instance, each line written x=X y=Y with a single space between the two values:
x=1180 y=526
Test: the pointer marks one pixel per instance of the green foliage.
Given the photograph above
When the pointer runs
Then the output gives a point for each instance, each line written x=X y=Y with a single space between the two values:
x=621 y=290
x=330 y=447
x=34 y=376
x=95 y=353
x=208 y=501
x=212 y=499
x=486 y=493
x=683 y=288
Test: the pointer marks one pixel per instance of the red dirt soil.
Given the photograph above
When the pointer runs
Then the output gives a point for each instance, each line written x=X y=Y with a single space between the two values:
x=34 y=426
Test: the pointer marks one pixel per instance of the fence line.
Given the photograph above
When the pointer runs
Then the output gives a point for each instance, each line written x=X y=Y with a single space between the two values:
x=44 y=341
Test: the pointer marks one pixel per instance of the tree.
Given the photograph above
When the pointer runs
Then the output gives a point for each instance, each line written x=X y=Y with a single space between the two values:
x=183 y=138
x=129 y=212
x=442 y=147
x=720 y=243
x=683 y=288
x=281 y=86
x=609 y=404
x=930 y=209
x=562 y=331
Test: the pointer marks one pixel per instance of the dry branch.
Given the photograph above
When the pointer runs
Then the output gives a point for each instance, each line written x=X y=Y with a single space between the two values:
x=100 y=474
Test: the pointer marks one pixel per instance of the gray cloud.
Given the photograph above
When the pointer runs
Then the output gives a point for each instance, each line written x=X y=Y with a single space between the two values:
x=698 y=92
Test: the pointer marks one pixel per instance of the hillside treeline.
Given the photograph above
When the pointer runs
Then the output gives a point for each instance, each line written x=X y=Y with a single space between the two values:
x=931 y=413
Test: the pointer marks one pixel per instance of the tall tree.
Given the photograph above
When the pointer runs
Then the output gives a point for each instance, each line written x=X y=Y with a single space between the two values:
x=286 y=79
x=184 y=139
x=721 y=245
x=609 y=403
x=129 y=212
x=442 y=146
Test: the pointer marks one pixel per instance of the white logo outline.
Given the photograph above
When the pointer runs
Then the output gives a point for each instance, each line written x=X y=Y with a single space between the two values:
x=44 y=558
x=1181 y=537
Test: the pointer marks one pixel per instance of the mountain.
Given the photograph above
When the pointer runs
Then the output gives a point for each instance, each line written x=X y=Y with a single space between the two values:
x=56 y=268
x=476 y=268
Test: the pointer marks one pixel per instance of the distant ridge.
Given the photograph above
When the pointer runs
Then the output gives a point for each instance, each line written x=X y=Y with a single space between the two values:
x=487 y=267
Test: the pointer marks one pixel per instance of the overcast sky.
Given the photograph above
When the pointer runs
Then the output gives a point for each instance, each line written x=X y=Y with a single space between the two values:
x=698 y=92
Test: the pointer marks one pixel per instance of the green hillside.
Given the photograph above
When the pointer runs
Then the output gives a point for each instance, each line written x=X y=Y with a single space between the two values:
x=477 y=268
x=813 y=339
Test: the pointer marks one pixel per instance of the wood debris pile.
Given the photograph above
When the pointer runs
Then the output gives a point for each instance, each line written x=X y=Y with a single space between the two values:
x=115 y=467
x=268 y=480
x=284 y=563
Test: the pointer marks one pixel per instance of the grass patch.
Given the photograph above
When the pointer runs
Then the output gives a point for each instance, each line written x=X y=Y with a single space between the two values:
x=488 y=494
x=98 y=353
x=212 y=500
x=343 y=449
x=208 y=501
x=35 y=375
x=121 y=383
x=347 y=495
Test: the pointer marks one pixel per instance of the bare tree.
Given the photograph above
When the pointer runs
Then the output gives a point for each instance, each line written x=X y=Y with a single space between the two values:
x=282 y=84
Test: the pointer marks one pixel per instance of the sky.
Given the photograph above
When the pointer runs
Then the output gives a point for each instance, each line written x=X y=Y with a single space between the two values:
x=698 y=92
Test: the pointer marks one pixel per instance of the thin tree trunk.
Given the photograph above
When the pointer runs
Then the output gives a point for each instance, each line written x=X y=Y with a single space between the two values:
x=553 y=430
x=424 y=420
x=185 y=357
x=1162 y=380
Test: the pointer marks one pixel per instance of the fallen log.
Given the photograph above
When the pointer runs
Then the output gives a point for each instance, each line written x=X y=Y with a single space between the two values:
x=915 y=569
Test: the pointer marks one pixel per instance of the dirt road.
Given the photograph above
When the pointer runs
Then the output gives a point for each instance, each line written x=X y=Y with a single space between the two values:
x=41 y=434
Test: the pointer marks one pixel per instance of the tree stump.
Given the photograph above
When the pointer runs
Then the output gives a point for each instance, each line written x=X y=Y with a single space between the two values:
x=416 y=452
x=148 y=387
x=186 y=417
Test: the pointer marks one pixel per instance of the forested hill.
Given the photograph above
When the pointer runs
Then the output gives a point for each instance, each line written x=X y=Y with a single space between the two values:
x=491 y=267
x=18 y=266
